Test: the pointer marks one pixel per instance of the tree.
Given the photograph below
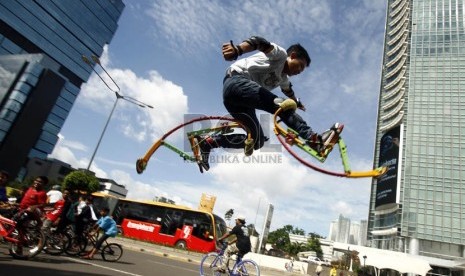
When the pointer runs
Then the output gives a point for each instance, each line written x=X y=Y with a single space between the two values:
x=81 y=181
x=280 y=237
x=313 y=244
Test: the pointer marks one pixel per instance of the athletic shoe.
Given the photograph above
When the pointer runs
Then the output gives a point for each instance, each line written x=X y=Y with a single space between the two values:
x=328 y=138
x=205 y=149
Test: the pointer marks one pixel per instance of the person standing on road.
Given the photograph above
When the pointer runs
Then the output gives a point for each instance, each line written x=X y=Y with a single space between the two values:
x=318 y=269
x=333 y=271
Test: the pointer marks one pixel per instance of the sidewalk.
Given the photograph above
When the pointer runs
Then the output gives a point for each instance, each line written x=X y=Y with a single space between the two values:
x=183 y=255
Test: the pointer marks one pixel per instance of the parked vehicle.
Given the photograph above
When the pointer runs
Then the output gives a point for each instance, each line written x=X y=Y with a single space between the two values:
x=316 y=260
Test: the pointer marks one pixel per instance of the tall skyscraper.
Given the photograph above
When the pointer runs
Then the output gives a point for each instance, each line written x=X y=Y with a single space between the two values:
x=41 y=69
x=418 y=207
x=343 y=230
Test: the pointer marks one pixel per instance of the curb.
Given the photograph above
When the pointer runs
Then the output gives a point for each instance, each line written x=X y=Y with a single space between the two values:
x=180 y=255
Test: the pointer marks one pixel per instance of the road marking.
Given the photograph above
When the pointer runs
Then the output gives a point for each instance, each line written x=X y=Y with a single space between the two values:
x=173 y=266
x=101 y=266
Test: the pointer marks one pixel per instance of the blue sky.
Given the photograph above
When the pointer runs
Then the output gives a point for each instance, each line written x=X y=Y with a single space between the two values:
x=168 y=54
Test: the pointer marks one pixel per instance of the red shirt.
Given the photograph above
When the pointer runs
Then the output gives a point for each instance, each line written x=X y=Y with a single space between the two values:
x=33 y=197
x=57 y=210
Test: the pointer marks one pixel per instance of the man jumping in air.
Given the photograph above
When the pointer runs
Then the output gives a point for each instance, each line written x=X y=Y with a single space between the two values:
x=247 y=86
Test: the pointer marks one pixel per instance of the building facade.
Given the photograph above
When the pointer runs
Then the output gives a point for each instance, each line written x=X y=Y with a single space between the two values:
x=57 y=170
x=343 y=230
x=418 y=207
x=41 y=70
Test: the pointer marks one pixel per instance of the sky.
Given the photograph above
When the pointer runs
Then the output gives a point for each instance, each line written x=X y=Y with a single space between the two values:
x=167 y=54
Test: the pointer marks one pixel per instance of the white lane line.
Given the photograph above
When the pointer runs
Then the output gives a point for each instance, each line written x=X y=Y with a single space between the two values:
x=174 y=266
x=101 y=266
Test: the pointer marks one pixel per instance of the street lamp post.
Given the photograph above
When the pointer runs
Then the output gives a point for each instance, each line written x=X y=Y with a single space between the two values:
x=118 y=97
x=364 y=268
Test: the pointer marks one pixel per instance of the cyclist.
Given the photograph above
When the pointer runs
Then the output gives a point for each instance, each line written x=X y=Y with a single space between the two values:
x=241 y=244
x=54 y=216
x=33 y=202
x=109 y=228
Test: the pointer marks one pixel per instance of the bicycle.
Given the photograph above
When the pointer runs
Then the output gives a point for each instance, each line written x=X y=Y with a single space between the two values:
x=56 y=242
x=110 y=252
x=25 y=238
x=211 y=263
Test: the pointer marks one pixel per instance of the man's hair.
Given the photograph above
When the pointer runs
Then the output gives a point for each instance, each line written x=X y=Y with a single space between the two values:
x=44 y=179
x=106 y=209
x=300 y=52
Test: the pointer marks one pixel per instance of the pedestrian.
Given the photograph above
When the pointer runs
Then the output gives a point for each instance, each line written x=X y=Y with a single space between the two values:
x=290 y=265
x=318 y=269
x=333 y=271
x=247 y=87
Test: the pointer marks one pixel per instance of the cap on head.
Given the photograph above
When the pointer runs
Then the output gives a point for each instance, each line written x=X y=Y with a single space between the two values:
x=56 y=187
x=241 y=218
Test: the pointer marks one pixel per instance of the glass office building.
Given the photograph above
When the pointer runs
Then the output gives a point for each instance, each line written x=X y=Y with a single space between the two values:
x=41 y=69
x=418 y=207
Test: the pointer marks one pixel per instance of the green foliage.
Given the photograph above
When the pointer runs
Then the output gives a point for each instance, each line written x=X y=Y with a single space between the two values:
x=314 y=244
x=81 y=181
x=280 y=239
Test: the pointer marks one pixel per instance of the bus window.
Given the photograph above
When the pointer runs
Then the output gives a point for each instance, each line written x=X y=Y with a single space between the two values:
x=201 y=223
x=220 y=226
x=171 y=222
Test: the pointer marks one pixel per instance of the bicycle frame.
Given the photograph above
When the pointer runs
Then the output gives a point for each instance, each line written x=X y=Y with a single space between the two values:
x=236 y=270
x=7 y=227
x=227 y=126
x=290 y=138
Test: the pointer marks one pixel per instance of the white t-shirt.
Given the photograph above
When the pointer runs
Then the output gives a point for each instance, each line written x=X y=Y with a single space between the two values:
x=54 y=196
x=265 y=69
x=80 y=206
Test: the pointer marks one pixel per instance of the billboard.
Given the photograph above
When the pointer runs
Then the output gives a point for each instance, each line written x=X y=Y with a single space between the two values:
x=387 y=188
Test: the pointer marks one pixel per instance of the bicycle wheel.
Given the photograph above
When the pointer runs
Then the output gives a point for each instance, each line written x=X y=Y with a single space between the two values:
x=112 y=252
x=56 y=243
x=30 y=243
x=246 y=268
x=75 y=246
x=210 y=264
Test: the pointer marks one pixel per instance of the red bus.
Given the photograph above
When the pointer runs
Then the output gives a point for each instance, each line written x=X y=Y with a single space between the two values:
x=168 y=224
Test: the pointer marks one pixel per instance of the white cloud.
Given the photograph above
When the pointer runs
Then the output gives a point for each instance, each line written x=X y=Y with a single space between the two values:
x=64 y=151
x=199 y=24
x=168 y=100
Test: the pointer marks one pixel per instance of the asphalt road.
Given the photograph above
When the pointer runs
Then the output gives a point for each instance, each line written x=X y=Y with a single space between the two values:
x=132 y=263
x=139 y=259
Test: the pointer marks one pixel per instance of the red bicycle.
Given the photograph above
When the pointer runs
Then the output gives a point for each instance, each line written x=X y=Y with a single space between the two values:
x=24 y=235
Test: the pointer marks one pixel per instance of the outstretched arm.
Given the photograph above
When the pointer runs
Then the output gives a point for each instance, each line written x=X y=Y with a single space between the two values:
x=231 y=51
x=291 y=95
